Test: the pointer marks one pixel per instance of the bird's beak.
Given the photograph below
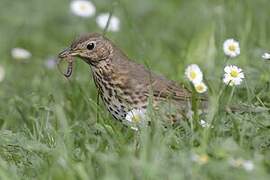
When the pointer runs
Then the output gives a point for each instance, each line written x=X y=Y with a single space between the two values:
x=67 y=53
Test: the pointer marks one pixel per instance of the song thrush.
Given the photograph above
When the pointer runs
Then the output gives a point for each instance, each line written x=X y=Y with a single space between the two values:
x=123 y=84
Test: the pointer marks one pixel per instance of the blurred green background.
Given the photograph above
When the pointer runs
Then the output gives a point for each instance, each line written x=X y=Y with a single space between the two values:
x=48 y=123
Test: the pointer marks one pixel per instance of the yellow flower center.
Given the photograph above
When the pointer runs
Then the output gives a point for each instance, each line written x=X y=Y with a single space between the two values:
x=199 y=88
x=203 y=159
x=238 y=163
x=234 y=73
x=136 y=118
x=232 y=47
x=193 y=75
x=82 y=7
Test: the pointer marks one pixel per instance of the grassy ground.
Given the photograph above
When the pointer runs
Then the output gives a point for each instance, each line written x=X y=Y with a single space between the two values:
x=48 y=125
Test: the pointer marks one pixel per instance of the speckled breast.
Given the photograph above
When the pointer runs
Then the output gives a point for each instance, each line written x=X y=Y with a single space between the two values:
x=110 y=96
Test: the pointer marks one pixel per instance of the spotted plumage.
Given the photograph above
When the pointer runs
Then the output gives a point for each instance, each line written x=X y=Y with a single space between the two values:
x=123 y=84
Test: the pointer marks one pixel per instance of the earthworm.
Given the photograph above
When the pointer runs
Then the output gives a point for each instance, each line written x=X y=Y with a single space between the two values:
x=68 y=72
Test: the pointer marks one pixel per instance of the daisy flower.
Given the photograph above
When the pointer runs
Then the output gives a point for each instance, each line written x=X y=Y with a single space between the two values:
x=235 y=162
x=2 y=73
x=248 y=165
x=200 y=159
x=194 y=73
x=231 y=48
x=204 y=124
x=200 y=87
x=20 y=53
x=245 y=164
x=135 y=117
x=266 y=56
x=233 y=75
x=114 y=24
x=82 y=8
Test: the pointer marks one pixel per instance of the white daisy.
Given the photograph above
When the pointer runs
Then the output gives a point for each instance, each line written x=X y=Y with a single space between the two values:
x=82 y=8
x=200 y=159
x=114 y=24
x=236 y=162
x=20 y=53
x=135 y=118
x=233 y=75
x=194 y=73
x=204 y=124
x=248 y=165
x=2 y=73
x=266 y=56
x=200 y=87
x=239 y=162
x=231 y=48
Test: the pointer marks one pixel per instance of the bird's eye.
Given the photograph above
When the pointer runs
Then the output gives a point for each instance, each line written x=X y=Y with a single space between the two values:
x=90 y=46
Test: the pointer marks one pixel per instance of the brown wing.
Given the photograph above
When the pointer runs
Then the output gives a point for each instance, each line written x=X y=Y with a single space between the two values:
x=138 y=78
x=166 y=89
x=141 y=79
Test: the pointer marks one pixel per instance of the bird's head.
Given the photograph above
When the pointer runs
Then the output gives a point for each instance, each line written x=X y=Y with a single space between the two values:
x=92 y=48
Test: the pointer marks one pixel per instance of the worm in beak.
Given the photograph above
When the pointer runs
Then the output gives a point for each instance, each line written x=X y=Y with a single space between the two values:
x=66 y=55
x=69 y=70
x=69 y=60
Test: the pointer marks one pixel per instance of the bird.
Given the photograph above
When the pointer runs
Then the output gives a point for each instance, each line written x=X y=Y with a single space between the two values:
x=122 y=83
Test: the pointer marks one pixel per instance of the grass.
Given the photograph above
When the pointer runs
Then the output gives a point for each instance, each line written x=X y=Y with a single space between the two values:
x=48 y=125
